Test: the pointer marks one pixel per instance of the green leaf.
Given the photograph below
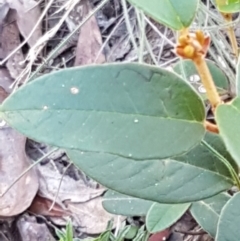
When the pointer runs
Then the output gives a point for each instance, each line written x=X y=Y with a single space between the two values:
x=238 y=77
x=131 y=110
x=174 y=14
x=228 y=225
x=228 y=6
x=105 y=236
x=162 y=216
x=207 y=212
x=228 y=119
x=121 y=204
x=132 y=232
x=203 y=157
x=188 y=179
x=69 y=231
x=188 y=71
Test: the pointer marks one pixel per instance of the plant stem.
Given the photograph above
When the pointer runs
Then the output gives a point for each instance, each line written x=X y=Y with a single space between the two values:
x=225 y=162
x=231 y=33
x=207 y=81
x=211 y=127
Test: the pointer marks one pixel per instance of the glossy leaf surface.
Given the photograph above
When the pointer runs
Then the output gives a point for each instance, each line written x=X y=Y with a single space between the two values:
x=197 y=175
x=131 y=110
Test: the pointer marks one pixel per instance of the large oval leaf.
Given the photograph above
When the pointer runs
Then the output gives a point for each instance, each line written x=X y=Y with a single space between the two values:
x=162 y=216
x=228 y=225
x=228 y=119
x=164 y=181
x=121 y=204
x=174 y=14
x=136 y=111
x=207 y=212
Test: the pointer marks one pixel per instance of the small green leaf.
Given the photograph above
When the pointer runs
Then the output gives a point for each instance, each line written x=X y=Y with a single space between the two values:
x=105 y=236
x=132 y=232
x=69 y=231
x=228 y=119
x=228 y=225
x=162 y=216
x=163 y=181
x=207 y=212
x=174 y=14
x=188 y=71
x=121 y=204
x=228 y=6
x=131 y=110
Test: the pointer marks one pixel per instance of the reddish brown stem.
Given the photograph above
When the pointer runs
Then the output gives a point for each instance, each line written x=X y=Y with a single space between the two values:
x=211 y=127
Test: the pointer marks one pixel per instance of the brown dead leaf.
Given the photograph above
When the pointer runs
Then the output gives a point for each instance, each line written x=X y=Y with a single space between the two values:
x=70 y=189
x=4 y=7
x=13 y=161
x=41 y=206
x=5 y=80
x=3 y=94
x=75 y=197
x=27 y=14
x=30 y=230
x=91 y=217
x=10 y=40
x=90 y=40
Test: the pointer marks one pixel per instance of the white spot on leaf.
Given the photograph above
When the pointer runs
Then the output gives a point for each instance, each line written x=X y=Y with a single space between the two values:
x=194 y=78
x=74 y=90
x=201 y=89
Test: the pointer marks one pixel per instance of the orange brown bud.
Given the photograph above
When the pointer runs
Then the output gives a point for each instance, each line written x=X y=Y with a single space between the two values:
x=200 y=37
x=189 y=51
x=183 y=40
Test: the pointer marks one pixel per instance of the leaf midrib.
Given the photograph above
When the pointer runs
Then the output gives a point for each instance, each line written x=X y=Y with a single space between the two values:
x=105 y=112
